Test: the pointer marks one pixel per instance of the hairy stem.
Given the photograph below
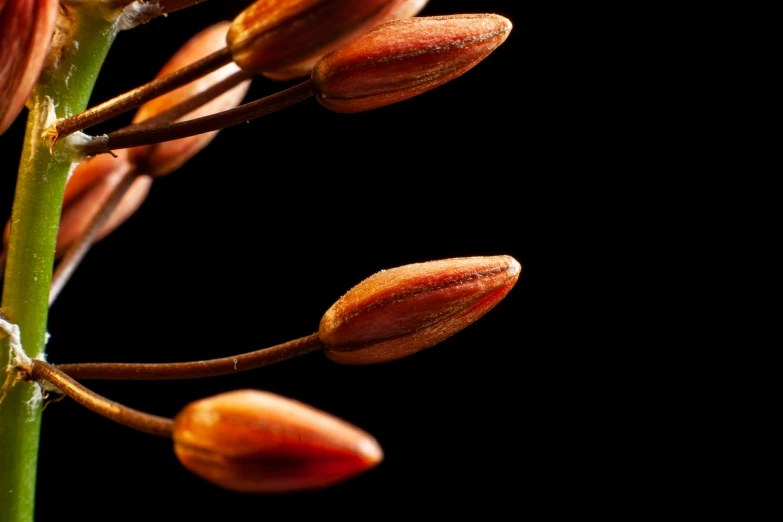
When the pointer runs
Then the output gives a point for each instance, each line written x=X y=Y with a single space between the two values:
x=30 y=256
x=193 y=369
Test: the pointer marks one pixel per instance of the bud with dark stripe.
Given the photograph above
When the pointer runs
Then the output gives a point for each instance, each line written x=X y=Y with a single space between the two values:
x=403 y=58
x=397 y=312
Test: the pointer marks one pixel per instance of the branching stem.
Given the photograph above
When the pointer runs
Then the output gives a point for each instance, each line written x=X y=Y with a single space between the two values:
x=140 y=95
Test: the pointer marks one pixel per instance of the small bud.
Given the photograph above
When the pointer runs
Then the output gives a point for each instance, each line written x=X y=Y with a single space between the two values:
x=403 y=58
x=394 y=11
x=26 y=28
x=283 y=35
x=165 y=157
x=258 y=442
x=397 y=312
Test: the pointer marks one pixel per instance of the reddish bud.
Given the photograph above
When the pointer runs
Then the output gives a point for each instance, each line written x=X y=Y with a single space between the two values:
x=26 y=28
x=397 y=312
x=165 y=157
x=281 y=36
x=394 y=11
x=258 y=442
x=401 y=59
x=85 y=200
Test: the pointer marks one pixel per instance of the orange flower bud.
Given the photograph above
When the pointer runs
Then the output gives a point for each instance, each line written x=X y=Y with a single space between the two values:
x=394 y=11
x=258 y=442
x=275 y=35
x=165 y=157
x=90 y=171
x=397 y=312
x=26 y=28
x=81 y=204
x=403 y=58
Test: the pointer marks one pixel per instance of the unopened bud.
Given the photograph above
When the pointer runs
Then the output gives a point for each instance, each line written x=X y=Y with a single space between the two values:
x=394 y=11
x=165 y=157
x=403 y=58
x=397 y=312
x=275 y=35
x=80 y=207
x=26 y=28
x=258 y=442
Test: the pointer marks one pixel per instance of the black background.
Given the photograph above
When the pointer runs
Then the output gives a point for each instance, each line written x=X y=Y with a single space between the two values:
x=251 y=241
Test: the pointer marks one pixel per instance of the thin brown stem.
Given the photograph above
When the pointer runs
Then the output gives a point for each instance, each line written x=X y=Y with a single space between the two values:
x=190 y=104
x=133 y=138
x=140 y=95
x=160 y=426
x=76 y=252
x=194 y=369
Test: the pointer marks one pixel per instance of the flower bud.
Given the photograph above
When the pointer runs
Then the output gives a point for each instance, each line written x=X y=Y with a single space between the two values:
x=403 y=58
x=394 y=11
x=397 y=312
x=80 y=205
x=281 y=36
x=258 y=442
x=165 y=157
x=26 y=28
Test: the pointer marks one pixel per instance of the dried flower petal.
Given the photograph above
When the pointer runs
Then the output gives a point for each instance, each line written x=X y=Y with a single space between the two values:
x=394 y=11
x=26 y=28
x=273 y=35
x=258 y=442
x=403 y=58
x=397 y=312
x=165 y=157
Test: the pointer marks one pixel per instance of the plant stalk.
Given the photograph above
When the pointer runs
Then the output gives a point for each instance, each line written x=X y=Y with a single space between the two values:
x=65 y=90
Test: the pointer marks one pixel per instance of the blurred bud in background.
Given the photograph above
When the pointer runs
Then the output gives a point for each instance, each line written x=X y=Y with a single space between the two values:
x=257 y=442
x=26 y=28
x=165 y=157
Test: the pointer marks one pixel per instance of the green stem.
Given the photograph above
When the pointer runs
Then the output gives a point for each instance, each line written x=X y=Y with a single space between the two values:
x=34 y=221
